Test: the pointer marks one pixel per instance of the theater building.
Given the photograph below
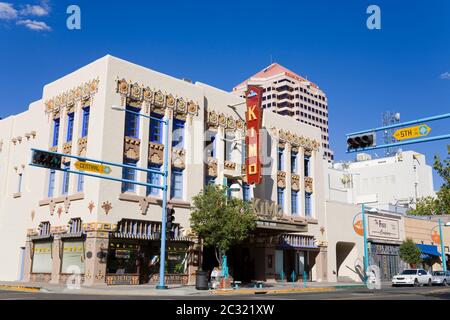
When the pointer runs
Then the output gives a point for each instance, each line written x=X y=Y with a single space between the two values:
x=54 y=224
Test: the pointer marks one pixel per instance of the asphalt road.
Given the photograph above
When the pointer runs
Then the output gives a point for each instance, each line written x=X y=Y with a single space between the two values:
x=388 y=293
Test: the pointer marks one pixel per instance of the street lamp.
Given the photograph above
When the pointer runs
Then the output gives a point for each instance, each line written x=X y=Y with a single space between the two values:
x=165 y=174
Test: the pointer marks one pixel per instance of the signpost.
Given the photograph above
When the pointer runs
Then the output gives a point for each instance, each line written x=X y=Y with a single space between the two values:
x=412 y=132
x=92 y=167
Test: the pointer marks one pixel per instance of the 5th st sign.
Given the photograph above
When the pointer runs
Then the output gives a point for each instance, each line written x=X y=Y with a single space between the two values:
x=412 y=132
x=92 y=167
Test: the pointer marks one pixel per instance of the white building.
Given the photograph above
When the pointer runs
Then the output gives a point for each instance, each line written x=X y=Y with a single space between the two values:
x=52 y=222
x=396 y=181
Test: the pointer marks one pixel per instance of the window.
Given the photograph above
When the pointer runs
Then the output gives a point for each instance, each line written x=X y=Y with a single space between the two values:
x=55 y=132
x=308 y=204
x=307 y=166
x=211 y=144
x=51 y=183
x=294 y=203
x=280 y=197
x=129 y=174
x=85 y=128
x=245 y=192
x=156 y=129
x=176 y=191
x=280 y=159
x=132 y=123
x=80 y=184
x=178 y=134
x=19 y=183
x=155 y=179
x=294 y=162
x=229 y=146
x=66 y=176
x=70 y=120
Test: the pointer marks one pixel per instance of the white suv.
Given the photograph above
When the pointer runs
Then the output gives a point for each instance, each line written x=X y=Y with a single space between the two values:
x=414 y=277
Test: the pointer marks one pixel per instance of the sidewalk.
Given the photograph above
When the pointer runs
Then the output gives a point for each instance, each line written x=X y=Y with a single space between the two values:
x=177 y=290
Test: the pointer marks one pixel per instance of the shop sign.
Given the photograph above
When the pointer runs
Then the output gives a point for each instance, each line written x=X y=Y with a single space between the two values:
x=384 y=228
x=252 y=139
x=267 y=209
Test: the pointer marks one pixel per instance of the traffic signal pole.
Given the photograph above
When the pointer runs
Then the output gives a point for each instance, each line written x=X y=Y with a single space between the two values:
x=372 y=132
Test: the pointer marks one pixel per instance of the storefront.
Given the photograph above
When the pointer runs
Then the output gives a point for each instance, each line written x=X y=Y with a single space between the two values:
x=134 y=254
x=384 y=231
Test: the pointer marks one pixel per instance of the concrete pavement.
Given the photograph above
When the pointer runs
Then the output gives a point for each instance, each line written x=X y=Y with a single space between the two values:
x=176 y=290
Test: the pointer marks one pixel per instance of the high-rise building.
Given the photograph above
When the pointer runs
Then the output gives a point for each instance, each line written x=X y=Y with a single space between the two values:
x=289 y=94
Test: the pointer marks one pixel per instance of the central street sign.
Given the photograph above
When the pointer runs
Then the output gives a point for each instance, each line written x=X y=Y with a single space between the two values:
x=412 y=132
x=92 y=167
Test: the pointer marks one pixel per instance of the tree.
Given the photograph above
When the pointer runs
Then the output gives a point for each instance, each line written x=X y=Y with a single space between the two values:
x=410 y=253
x=220 y=221
x=440 y=204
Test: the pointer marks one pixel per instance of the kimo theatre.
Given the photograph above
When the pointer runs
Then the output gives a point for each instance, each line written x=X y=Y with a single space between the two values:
x=279 y=247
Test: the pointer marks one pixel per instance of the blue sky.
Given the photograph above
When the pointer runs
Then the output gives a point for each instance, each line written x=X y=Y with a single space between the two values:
x=403 y=67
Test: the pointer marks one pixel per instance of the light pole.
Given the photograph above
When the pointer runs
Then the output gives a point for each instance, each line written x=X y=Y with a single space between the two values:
x=444 y=260
x=165 y=174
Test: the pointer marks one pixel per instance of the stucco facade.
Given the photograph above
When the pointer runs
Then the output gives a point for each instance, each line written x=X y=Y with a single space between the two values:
x=100 y=226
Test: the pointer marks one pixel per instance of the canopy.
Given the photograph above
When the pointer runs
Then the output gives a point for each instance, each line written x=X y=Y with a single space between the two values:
x=428 y=251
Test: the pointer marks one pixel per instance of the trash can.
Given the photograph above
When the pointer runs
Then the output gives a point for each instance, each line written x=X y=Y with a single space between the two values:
x=201 y=280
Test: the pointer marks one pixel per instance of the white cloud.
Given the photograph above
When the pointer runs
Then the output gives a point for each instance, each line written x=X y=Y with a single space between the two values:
x=7 y=11
x=445 y=76
x=34 y=25
x=36 y=10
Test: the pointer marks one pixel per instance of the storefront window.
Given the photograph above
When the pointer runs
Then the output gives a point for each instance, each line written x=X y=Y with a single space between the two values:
x=42 y=258
x=73 y=257
x=176 y=263
x=122 y=258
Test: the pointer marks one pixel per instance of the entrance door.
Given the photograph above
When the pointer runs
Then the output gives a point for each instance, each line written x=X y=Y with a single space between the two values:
x=278 y=262
x=301 y=258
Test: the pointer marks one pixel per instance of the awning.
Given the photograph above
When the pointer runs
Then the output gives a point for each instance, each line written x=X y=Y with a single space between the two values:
x=428 y=251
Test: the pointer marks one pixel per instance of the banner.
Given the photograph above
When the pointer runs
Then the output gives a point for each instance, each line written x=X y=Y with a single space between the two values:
x=252 y=140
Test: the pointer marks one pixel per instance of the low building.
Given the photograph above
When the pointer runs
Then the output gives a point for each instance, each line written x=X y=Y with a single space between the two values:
x=56 y=223
x=397 y=181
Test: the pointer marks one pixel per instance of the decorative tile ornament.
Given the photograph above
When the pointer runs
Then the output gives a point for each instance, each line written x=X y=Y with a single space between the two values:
x=67 y=99
x=143 y=205
x=91 y=206
x=60 y=210
x=33 y=215
x=107 y=207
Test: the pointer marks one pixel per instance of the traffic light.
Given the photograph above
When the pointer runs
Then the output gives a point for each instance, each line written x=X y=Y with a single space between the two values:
x=170 y=218
x=361 y=141
x=47 y=159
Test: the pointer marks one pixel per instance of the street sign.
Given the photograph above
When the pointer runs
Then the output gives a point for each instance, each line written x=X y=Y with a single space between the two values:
x=412 y=132
x=92 y=167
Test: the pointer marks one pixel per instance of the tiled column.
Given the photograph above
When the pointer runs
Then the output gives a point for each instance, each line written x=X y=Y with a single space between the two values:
x=27 y=261
x=287 y=169
x=301 y=192
x=322 y=265
x=56 y=259
x=96 y=247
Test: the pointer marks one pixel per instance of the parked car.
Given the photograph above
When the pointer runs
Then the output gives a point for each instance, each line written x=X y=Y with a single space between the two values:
x=441 y=278
x=412 y=277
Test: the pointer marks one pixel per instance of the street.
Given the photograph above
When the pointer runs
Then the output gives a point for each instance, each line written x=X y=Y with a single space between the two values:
x=387 y=293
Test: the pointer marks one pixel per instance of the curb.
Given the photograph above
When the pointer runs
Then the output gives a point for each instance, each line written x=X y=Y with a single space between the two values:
x=19 y=288
x=272 y=291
